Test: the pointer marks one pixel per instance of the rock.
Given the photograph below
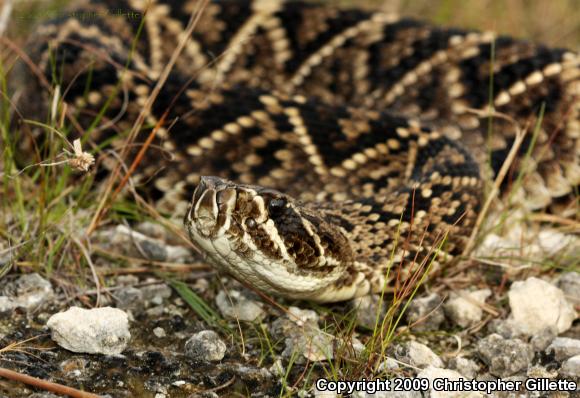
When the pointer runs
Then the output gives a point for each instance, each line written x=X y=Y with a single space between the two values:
x=95 y=331
x=311 y=343
x=137 y=299
x=302 y=317
x=464 y=307
x=466 y=367
x=240 y=306
x=159 y=332
x=277 y=368
x=129 y=298
x=155 y=294
x=367 y=307
x=302 y=336
x=564 y=348
x=433 y=373
x=569 y=283
x=7 y=304
x=389 y=364
x=425 y=313
x=543 y=339
x=540 y=372
x=205 y=346
x=28 y=291
x=505 y=357
x=548 y=308
x=571 y=367
x=418 y=355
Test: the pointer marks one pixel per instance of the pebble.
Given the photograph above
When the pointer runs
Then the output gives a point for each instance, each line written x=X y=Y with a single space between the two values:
x=159 y=332
x=569 y=283
x=32 y=290
x=433 y=373
x=564 y=348
x=239 y=306
x=504 y=357
x=155 y=294
x=302 y=336
x=571 y=367
x=94 y=331
x=417 y=355
x=309 y=342
x=465 y=366
x=7 y=304
x=425 y=313
x=28 y=291
x=389 y=364
x=549 y=307
x=464 y=308
x=205 y=346
x=542 y=340
x=367 y=308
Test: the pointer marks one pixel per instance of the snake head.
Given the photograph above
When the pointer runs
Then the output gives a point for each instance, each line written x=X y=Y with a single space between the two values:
x=266 y=239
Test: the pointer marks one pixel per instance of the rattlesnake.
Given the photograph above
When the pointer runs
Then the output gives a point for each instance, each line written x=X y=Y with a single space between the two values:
x=355 y=140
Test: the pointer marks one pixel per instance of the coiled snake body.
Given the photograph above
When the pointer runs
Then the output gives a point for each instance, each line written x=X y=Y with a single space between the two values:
x=342 y=143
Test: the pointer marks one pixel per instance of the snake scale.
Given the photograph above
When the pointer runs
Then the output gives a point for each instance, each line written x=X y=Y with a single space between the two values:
x=324 y=148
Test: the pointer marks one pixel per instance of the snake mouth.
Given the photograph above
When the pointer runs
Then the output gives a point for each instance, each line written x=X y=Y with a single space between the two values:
x=213 y=201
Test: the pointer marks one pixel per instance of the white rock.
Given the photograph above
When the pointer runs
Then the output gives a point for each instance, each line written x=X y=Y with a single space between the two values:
x=159 y=332
x=465 y=366
x=418 y=355
x=206 y=346
x=32 y=290
x=7 y=304
x=571 y=367
x=95 y=331
x=237 y=305
x=536 y=305
x=564 y=348
x=301 y=316
x=389 y=364
x=464 y=307
x=433 y=373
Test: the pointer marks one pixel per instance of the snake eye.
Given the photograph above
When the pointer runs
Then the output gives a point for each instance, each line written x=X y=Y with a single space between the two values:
x=276 y=206
x=251 y=223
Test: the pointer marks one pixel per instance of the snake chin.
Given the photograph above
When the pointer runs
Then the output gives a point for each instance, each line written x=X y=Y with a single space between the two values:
x=266 y=238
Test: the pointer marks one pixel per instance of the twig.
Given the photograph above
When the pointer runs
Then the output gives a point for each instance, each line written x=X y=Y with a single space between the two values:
x=45 y=385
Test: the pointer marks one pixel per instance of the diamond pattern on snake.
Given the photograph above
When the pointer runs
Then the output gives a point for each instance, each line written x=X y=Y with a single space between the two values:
x=313 y=151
